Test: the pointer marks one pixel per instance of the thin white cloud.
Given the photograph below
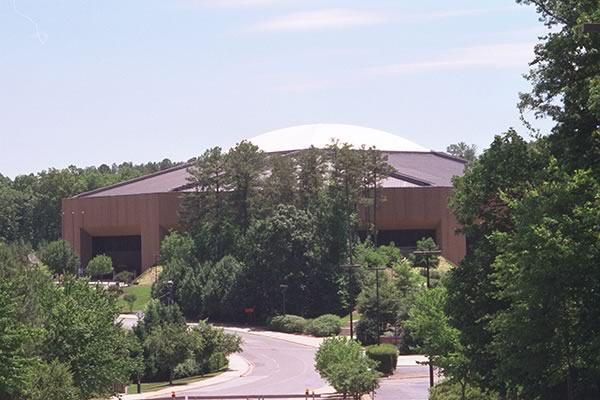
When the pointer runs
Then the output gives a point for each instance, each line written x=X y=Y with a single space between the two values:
x=463 y=12
x=244 y=3
x=506 y=55
x=317 y=20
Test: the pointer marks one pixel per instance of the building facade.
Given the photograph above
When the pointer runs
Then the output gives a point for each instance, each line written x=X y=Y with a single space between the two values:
x=127 y=221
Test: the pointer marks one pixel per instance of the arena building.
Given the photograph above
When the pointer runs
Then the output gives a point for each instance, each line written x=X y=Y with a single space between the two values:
x=127 y=221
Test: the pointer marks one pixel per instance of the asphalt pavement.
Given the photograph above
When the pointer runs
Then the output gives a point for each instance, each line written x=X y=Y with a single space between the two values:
x=277 y=367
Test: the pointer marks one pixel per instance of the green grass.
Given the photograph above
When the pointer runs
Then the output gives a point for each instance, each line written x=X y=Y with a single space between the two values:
x=142 y=292
x=355 y=317
x=154 y=386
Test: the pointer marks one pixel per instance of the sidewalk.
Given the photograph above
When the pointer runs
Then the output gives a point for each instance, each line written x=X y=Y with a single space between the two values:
x=238 y=366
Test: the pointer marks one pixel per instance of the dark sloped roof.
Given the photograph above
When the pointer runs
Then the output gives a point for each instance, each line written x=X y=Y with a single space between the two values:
x=412 y=170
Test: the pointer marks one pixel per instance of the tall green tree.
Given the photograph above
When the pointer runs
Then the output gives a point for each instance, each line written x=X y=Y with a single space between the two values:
x=504 y=171
x=81 y=333
x=565 y=78
x=244 y=165
x=548 y=271
x=463 y=150
x=60 y=257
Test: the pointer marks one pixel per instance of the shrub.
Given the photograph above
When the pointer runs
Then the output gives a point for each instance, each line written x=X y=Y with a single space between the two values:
x=187 y=368
x=60 y=257
x=287 y=323
x=130 y=299
x=453 y=391
x=325 y=325
x=342 y=363
x=124 y=277
x=366 y=331
x=386 y=356
x=100 y=265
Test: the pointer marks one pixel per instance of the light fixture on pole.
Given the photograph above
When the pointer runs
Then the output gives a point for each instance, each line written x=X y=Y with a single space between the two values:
x=427 y=257
x=283 y=288
x=350 y=268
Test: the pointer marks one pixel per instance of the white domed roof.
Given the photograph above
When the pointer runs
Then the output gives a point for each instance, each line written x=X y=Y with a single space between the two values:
x=320 y=135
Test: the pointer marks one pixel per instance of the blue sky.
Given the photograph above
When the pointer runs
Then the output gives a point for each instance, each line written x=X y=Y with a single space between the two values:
x=108 y=81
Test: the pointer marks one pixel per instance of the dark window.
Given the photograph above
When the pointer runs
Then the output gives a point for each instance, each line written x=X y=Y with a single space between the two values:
x=125 y=251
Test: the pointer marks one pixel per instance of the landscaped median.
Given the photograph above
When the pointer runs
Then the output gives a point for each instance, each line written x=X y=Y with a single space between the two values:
x=238 y=366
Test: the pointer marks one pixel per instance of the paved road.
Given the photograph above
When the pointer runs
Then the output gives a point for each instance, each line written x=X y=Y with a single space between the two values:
x=278 y=367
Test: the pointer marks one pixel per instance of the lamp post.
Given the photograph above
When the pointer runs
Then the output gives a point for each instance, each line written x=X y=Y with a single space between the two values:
x=377 y=269
x=283 y=288
x=350 y=268
x=426 y=255
x=169 y=293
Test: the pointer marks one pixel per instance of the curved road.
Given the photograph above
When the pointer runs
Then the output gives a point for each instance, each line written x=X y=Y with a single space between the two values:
x=282 y=367
x=278 y=367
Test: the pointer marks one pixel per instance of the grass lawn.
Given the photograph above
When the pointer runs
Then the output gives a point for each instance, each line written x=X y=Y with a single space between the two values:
x=153 y=386
x=142 y=292
x=355 y=317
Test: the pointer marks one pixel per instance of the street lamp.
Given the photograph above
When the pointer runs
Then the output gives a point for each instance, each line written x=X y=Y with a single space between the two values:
x=169 y=293
x=427 y=256
x=377 y=269
x=350 y=268
x=283 y=288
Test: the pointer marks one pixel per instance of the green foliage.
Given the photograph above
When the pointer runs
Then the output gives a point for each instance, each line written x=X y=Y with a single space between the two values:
x=548 y=271
x=453 y=391
x=59 y=257
x=53 y=381
x=384 y=308
x=156 y=315
x=30 y=205
x=386 y=356
x=81 y=334
x=213 y=346
x=504 y=171
x=124 y=277
x=168 y=345
x=177 y=246
x=130 y=299
x=99 y=266
x=343 y=364
x=220 y=289
x=15 y=338
x=287 y=323
x=325 y=325
x=367 y=331
x=463 y=150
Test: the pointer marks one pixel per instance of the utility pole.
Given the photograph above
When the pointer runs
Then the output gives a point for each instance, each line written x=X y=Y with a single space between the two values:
x=426 y=255
x=283 y=289
x=376 y=269
x=350 y=268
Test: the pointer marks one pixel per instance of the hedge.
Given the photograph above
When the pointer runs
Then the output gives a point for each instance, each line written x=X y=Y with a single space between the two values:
x=287 y=323
x=386 y=356
x=325 y=325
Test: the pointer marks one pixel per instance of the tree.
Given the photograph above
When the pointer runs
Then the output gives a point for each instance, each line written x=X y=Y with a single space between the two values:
x=463 y=150
x=343 y=363
x=220 y=291
x=130 y=299
x=15 y=339
x=59 y=257
x=244 y=166
x=169 y=345
x=504 y=171
x=213 y=346
x=565 y=81
x=99 y=266
x=53 y=381
x=205 y=212
x=431 y=326
x=548 y=271
x=81 y=334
